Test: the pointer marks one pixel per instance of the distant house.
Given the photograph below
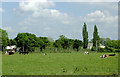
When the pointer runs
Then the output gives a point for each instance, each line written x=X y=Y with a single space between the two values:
x=102 y=46
x=11 y=47
x=90 y=45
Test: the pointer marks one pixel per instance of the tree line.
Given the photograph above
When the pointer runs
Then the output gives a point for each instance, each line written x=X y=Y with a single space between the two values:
x=28 y=41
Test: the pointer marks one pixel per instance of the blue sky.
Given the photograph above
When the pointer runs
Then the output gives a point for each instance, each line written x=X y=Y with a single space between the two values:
x=52 y=19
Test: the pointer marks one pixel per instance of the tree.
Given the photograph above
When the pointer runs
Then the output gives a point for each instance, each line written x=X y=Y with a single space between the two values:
x=32 y=42
x=96 y=38
x=102 y=41
x=22 y=40
x=71 y=42
x=77 y=44
x=57 y=44
x=85 y=36
x=62 y=42
x=113 y=44
x=108 y=39
x=45 y=42
x=3 y=39
x=12 y=42
x=51 y=42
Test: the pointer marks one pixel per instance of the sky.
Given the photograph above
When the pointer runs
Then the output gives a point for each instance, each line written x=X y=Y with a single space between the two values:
x=52 y=19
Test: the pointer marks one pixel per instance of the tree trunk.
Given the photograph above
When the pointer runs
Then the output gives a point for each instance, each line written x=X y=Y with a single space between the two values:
x=96 y=45
x=23 y=48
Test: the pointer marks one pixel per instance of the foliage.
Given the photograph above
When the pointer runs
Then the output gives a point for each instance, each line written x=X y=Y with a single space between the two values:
x=22 y=40
x=62 y=42
x=45 y=42
x=107 y=49
x=77 y=44
x=93 y=49
x=85 y=36
x=117 y=50
x=65 y=43
x=112 y=43
x=28 y=41
x=102 y=41
x=12 y=42
x=57 y=44
x=3 y=39
x=101 y=50
x=95 y=37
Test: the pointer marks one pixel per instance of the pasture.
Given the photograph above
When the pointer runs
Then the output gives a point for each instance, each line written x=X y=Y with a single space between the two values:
x=59 y=64
x=0 y=64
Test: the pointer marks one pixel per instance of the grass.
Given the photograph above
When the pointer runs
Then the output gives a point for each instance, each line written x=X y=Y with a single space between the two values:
x=59 y=64
x=0 y=64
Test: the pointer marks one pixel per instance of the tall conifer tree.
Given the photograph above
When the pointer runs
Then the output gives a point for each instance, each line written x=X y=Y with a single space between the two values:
x=85 y=36
x=96 y=38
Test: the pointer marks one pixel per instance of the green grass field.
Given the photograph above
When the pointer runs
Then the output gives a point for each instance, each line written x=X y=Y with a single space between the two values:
x=0 y=64
x=59 y=64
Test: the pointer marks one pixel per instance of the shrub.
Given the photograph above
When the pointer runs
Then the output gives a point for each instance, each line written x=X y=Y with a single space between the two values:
x=93 y=49
x=109 y=49
x=117 y=50
x=101 y=50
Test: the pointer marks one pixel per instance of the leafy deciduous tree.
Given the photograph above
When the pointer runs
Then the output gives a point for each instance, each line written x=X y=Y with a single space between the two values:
x=3 y=39
x=77 y=44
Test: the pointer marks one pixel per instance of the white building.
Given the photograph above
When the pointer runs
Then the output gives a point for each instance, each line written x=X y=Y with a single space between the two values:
x=102 y=46
x=11 y=47
x=90 y=45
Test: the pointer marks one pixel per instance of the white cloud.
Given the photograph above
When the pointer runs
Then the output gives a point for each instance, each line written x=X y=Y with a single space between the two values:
x=41 y=9
x=35 y=6
x=42 y=19
x=2 y=10
x=106 y=23
x=97 y=13
x=101 y=17
x=41 y=14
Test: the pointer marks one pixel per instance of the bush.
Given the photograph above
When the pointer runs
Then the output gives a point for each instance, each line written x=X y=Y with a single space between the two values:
x=109 y=49
x=101 y=50
x=93 y=49
x=117 y=50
